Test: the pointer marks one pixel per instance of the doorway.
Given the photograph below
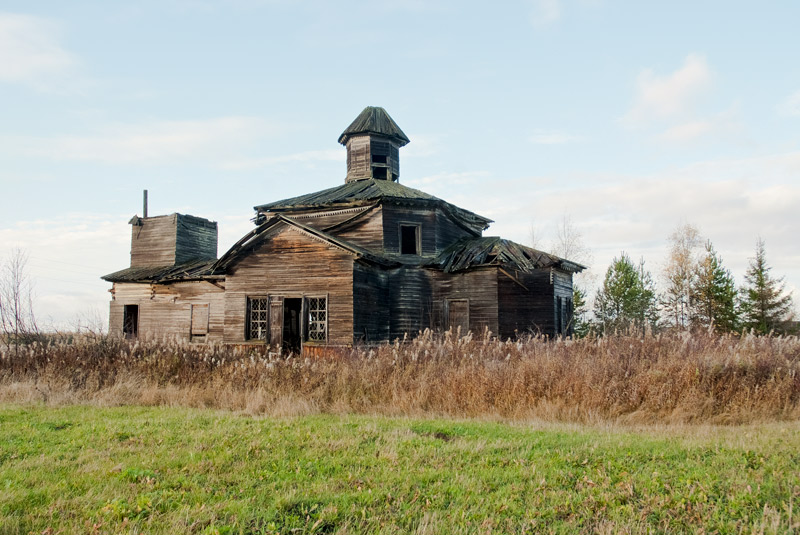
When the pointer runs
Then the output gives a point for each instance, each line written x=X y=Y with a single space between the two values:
x=130 y=321
x=292 y=333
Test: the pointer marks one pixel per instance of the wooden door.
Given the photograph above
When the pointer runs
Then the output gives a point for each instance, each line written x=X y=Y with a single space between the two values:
x=276 y=321
x=458 y=315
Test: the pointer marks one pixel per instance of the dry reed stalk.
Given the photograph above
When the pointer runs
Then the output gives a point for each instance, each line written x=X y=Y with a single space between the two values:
x=697 y=378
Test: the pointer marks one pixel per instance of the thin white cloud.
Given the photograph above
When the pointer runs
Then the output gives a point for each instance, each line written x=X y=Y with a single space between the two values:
x=552 y=138
x=30 y=53
x=791 y=106
x=307 y=156
x=151 y=142
x=544 y=12
x=669 y=96
x=687 y=131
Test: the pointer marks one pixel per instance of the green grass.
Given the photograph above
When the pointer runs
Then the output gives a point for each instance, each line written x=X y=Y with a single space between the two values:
x=81 y=469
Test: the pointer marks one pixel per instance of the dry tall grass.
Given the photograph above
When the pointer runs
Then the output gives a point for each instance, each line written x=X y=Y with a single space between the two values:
x=668 y=379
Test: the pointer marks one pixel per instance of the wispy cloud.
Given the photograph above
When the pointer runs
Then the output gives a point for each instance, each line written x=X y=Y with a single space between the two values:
x=152 y=142
x=669 y=96
x=306 y=156
x=31 y=54
x=544 y=12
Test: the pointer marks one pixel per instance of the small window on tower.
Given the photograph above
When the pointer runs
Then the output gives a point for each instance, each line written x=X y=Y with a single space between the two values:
x=378 y=158
x=379 y=172
x=409 y=239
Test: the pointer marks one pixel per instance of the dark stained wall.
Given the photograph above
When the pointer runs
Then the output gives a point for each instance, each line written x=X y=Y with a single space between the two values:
x=479 y=286
x=371 y=304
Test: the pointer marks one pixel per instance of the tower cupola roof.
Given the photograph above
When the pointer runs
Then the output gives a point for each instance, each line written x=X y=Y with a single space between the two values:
x=374 y=120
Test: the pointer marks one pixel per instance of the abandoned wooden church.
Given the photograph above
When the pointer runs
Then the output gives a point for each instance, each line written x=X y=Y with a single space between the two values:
x=364 y=262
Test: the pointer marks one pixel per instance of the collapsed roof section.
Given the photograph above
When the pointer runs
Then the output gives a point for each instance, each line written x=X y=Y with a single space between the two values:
x=493 y=251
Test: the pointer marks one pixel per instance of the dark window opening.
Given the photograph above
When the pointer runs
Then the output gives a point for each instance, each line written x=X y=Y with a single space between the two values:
x=257 y=318
x=394 y=177
x=409 y=239
x=317 y=326
x=379 y=158
x=130 y=321
x=379 y=172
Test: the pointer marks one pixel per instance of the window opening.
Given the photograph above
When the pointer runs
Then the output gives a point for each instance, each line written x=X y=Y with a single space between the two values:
x=257 y=318
x=379 y=158
x=409 y=239
x=379 y=172
x=130 y=321
x=317 y=326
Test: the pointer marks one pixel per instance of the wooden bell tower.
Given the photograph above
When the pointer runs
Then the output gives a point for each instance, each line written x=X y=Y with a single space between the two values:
x=373 y=141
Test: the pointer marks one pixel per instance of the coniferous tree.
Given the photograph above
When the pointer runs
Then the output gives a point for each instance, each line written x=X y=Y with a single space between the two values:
x=714 y=294
x=627 y=299
x=765 y=305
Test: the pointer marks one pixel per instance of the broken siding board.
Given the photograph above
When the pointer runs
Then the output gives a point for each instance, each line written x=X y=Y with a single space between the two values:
x=292 y=264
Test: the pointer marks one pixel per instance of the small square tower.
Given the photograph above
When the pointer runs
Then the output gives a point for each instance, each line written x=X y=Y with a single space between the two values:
x=373 y=141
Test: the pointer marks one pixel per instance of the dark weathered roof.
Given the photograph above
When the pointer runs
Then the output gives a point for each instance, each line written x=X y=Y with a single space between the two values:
x=374 y=120
x=363 y=191
x=196 y=269
x=493 y=251
x=255 y=236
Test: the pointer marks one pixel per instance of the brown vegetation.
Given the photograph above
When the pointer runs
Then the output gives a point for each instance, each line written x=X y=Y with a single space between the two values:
x=667 y=378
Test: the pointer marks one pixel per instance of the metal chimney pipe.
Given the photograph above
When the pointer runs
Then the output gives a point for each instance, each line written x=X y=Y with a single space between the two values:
x=144 y=209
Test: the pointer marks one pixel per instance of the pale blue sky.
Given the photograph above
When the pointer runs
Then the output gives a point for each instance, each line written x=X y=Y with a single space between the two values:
x=629 y=117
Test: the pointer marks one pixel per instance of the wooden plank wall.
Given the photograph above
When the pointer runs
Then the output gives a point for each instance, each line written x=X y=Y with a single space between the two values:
x=196 y=239
x=292 y=264
x=410 y=295
x=367 y=232
x=479 y=286
x=393 y=216
x=153 y=242
x=359 y=159
x=165 y=309
x=562 y=287
x=522 y=311
x=447 y=232
x=371 y=303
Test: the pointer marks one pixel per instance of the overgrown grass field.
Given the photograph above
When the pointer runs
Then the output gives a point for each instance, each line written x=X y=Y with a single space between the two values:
x=80 y=469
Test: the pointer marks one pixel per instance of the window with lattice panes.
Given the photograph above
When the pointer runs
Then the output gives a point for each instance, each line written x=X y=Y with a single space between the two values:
x=317 y=326
x=257 y=318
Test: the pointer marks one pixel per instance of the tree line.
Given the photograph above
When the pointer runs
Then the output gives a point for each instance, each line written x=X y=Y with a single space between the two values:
x=699 y=292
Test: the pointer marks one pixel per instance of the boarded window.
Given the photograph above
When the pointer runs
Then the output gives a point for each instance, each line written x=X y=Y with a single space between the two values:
x=257 y=318
x=199 y=320
x=130 y=321
x=409 y=239
x=317 y=326
x=458 y=315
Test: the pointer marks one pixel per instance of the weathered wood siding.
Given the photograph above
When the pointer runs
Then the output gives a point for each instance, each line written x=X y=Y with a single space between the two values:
x=525 y=311
x=168 y=239
x=367 y=232
x=292 y=264
x=196 y=239
x=371 y=299
x=478 y=286
x=562 y=288
x=448 y=232
x=359 y=159
x=410 y=295
x=153 y=241
x=394 y=216
x=165 y=310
